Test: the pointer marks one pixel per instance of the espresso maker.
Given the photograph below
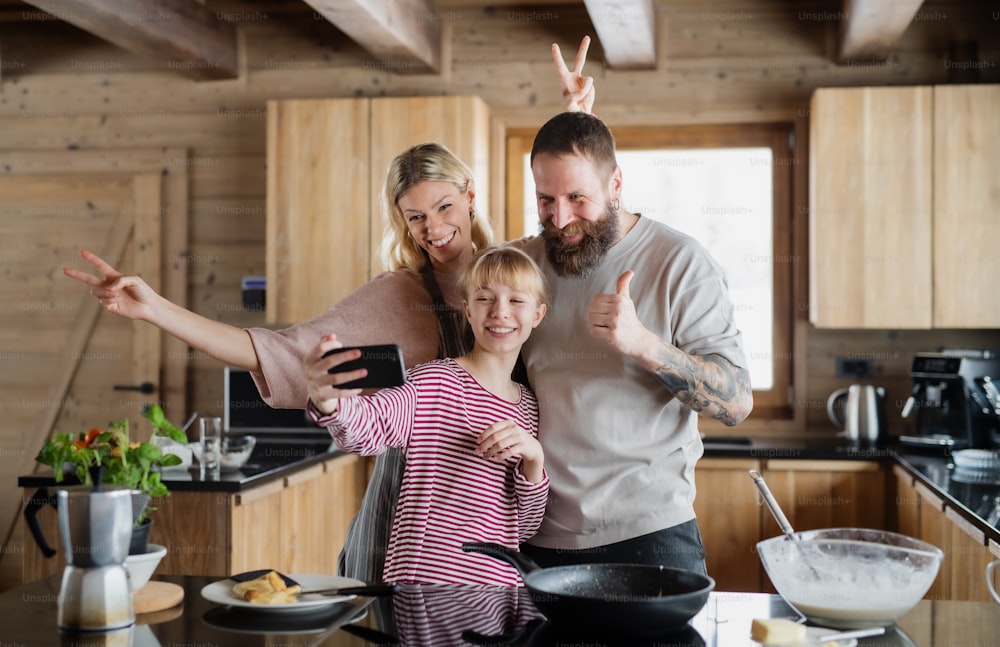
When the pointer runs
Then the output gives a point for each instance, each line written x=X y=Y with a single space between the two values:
x=955 y=403
x=95 y=525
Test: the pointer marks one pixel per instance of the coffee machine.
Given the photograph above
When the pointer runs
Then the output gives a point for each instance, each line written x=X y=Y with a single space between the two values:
x=955 y=403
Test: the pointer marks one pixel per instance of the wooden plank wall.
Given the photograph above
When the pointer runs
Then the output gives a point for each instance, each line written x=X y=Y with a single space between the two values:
x=727 y=62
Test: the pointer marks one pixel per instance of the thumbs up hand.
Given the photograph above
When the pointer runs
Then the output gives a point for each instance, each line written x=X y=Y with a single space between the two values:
x=612 y=318
x=623 y=282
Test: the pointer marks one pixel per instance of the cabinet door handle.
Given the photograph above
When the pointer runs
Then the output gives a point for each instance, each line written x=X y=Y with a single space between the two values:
x=145 y=387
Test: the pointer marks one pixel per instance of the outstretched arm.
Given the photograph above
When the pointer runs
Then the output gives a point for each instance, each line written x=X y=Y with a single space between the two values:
x=131 y=297
x=577 y=90
x=708 y=384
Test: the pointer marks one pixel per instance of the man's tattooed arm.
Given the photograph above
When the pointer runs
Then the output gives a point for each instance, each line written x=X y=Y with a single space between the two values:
x=708 y=384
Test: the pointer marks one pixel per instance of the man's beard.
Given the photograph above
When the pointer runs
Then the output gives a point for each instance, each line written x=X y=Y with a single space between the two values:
x=580 y=259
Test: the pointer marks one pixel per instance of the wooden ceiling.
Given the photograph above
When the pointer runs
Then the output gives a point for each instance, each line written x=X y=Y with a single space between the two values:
x=198 y=40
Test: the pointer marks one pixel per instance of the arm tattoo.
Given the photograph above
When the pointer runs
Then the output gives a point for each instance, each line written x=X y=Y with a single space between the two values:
x=708 y=384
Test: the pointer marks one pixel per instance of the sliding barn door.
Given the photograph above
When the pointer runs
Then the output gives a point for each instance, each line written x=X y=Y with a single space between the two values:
x=65 y=363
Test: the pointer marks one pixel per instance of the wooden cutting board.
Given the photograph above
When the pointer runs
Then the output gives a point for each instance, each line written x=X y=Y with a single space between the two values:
x=156 y=596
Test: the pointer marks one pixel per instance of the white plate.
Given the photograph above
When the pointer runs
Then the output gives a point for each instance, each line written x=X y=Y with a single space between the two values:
x=323 y=620
x=976 y=459
x=813 y=635
x=221 y=592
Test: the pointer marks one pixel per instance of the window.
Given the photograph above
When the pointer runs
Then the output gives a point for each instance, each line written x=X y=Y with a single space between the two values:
x=729 y=187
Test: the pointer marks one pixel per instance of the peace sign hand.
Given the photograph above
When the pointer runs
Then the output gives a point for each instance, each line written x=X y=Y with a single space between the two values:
x=128 y=296
x=577 y=90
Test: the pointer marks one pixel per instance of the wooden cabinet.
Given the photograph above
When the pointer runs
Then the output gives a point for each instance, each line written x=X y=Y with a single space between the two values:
x=729 y=519
x=826 y=494
x=966 y=206
x=923 y=514
x=870 y=207
x=902 y=201
x=303 y=525
x=812 y=493
x=326 y=161
x=297 y=525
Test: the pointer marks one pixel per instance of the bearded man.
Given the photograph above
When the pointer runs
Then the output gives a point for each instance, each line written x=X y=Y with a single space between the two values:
x=640 y=340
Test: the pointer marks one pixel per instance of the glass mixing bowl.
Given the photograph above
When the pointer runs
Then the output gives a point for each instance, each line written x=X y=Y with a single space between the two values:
x=236 y=451
x=850 y=577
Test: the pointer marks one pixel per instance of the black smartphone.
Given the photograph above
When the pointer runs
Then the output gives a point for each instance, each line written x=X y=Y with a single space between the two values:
x=383 y=361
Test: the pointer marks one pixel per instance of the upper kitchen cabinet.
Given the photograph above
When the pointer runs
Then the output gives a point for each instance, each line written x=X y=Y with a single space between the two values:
x=966 y=206
x=870 y=206
x=903 y=195
x=326 y=162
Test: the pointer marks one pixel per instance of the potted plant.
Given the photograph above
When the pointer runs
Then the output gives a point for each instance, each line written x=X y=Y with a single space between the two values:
x=121 y=461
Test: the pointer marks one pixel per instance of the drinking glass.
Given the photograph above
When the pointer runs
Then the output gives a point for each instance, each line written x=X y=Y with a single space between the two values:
x=211 y=443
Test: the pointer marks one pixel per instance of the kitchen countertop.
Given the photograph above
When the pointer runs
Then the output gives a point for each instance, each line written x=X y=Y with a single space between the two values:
x=279 y=456
x=976 y=500
x=446 y=616
x=724 y=621
x=273 y=458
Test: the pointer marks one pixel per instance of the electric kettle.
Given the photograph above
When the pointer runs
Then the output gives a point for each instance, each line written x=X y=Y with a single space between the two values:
x=863 y=419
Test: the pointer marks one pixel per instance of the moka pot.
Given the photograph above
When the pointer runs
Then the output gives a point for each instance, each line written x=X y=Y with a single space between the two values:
x=96 y=527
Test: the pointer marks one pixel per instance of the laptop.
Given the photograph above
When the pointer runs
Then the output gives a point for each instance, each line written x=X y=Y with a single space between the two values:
x=246 y=412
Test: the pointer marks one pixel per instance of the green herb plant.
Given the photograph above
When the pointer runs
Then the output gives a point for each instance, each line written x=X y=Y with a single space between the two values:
x=134 y=465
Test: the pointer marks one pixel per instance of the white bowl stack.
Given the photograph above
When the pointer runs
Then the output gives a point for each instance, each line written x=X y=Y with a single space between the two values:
x=141 y=567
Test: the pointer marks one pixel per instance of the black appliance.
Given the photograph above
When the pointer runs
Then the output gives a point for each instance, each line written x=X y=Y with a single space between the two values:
x=245 y=411
x=955 y=401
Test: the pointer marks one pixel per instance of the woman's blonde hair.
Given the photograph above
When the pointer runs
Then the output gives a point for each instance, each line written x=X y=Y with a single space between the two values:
x=429 y=162
x=503 y=264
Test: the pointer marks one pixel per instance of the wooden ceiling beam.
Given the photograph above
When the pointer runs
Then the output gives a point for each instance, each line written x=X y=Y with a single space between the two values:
x=871 y=28
x=627 y=31
x=188 y=37
x=404 y=36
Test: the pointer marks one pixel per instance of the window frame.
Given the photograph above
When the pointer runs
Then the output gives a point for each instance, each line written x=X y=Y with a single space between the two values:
x=771 y=404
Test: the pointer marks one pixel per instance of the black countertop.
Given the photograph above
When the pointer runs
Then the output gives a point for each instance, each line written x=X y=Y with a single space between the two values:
x=447 y=616
x=276 y=457
x=975 y=497
x=273 y=458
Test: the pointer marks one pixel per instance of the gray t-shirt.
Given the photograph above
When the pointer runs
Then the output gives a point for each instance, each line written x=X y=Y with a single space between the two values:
x=620 y=450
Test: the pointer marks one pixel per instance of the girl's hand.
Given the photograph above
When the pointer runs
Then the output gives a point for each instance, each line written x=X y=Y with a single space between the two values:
x=323 y=391
x=577 y=90
x=128 y=296
x=504 y=439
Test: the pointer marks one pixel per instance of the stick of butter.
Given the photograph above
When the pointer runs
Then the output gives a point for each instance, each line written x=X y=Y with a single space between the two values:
x=777 y=631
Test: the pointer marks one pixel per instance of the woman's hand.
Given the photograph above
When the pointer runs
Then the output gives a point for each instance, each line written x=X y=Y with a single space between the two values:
x=577 y=90
x=128 y=296
x=323 y=391
x=505 y=439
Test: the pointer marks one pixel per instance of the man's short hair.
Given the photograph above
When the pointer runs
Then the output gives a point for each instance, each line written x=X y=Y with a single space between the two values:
x=577 y=133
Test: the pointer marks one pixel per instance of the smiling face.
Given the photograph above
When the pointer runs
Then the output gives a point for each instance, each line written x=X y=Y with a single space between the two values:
x=502 y=317
x=579 y=224
x=438 y=218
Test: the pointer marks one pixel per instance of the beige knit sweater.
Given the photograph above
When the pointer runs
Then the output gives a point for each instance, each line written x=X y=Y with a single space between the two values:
x=392 y=308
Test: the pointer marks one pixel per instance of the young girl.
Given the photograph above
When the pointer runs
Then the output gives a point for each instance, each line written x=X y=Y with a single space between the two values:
x=474 y=468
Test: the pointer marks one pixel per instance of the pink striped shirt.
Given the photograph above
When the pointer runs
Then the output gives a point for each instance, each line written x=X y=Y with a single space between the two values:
x=448 y=494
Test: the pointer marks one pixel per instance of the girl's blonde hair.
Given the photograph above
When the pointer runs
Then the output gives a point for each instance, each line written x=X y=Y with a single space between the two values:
x=429 y=162
x=503 y=265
